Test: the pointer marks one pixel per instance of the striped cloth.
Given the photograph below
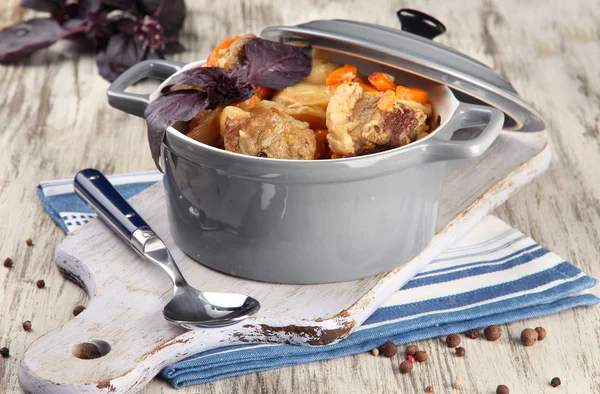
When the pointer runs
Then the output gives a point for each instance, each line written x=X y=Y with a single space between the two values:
x=493 y=275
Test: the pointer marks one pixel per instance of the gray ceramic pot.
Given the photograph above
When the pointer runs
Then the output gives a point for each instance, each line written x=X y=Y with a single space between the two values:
x=308 y=222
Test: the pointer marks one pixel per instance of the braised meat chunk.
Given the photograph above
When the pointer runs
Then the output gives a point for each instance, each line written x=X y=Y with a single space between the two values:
x=235 y=54
x=359 y=121
x=270 y=133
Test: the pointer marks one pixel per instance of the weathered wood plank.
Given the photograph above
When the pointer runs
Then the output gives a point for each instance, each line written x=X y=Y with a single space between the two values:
x=55 y=121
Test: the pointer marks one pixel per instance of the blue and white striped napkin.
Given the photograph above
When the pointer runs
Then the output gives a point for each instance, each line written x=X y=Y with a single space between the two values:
x=493 y=275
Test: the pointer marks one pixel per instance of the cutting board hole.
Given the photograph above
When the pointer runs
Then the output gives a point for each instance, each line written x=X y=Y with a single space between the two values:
x=90 y=350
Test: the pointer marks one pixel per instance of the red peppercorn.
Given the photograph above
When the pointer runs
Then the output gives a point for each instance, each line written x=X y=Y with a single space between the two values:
x=555 y=382
x=492 y=333
x=473 y=334
x=26 y=325
x=410 y=358
x=502 y=389
x=429 y=389
x=29 y=242
x=460 y=351
x=80 y=308
x=8 y=263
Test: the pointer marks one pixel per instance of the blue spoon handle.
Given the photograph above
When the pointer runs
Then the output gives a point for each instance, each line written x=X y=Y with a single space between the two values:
x=93 y=188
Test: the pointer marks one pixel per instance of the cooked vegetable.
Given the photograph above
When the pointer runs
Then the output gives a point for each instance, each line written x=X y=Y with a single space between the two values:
x=321 y=68
x=271 y=133
x=262 y=92
x=204 y=127
x=322 y=151
x=382 y=81
x=231 y=115
x=216 y=53
x=413 y=94
x=306 y=102
x=346 y=73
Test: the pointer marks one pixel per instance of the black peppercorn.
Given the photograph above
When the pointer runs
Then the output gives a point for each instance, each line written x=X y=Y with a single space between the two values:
x=411 y=350
x=262 y=154
x=40 y=284
x=541 y=333
x=406 y=367
x=555 y=382
x=78 y=309
x=4 y=352
x=473 y=334
x=460 y=351
x=529 y=337
x=492 y=333
x=389 y=349
x=502 y=389
x=452 y=340
x=26 y=325
x=8 y=263
x=421 y=356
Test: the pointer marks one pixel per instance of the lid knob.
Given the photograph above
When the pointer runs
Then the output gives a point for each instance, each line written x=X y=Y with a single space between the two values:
x=419 y=23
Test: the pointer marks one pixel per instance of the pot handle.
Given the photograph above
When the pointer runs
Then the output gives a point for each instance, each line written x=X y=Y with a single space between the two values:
x=134 y=103
x=440 y=148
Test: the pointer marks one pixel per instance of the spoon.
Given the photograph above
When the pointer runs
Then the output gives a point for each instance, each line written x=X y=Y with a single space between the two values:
x=190 y=308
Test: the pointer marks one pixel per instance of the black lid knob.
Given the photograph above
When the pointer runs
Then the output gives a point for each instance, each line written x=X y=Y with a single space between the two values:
x=419 y=23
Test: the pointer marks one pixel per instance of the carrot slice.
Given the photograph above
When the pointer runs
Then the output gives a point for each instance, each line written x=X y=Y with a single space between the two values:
x=248 y=105
x=413 y=94
x=323 y=151
x=216 y=53
x=346 y=73
x=382 y=81
x=366 y=87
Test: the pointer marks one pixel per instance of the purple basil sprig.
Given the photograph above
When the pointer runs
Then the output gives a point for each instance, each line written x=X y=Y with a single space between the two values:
x=270 y=64
x=123 y=32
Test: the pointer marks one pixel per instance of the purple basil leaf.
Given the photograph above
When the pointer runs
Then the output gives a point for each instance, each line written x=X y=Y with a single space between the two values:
x=87 y=6
x=222 y=87
x=120 y=4
x=181 y=105
x=21 y=40
x=121 y=52
x=276 y=65
x=51 y=6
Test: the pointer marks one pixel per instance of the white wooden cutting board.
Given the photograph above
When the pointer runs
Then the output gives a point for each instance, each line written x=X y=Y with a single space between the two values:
x=128 y=293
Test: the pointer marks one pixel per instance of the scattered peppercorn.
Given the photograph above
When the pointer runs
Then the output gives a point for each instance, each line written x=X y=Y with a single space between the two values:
x=492 y=333
x=80 y=308
x=411 y=358
x=26 y=325
x=460 y=351
x=406 y=367
x=457 y=384
x=8 y=263
x=29 y=242
x=429 y=389
x=421 y=356
x=541 y=333
x=40 y=284
x=529 y=337
x=452 y=340
x=374 y=352
x=4 y=352
x=389 y=349
x=555 y=382
x=412 y=350
x=502 y=389
x=473 y=334
x=262 y=154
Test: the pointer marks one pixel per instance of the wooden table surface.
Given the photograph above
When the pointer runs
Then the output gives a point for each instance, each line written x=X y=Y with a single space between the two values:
x=56 y=121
